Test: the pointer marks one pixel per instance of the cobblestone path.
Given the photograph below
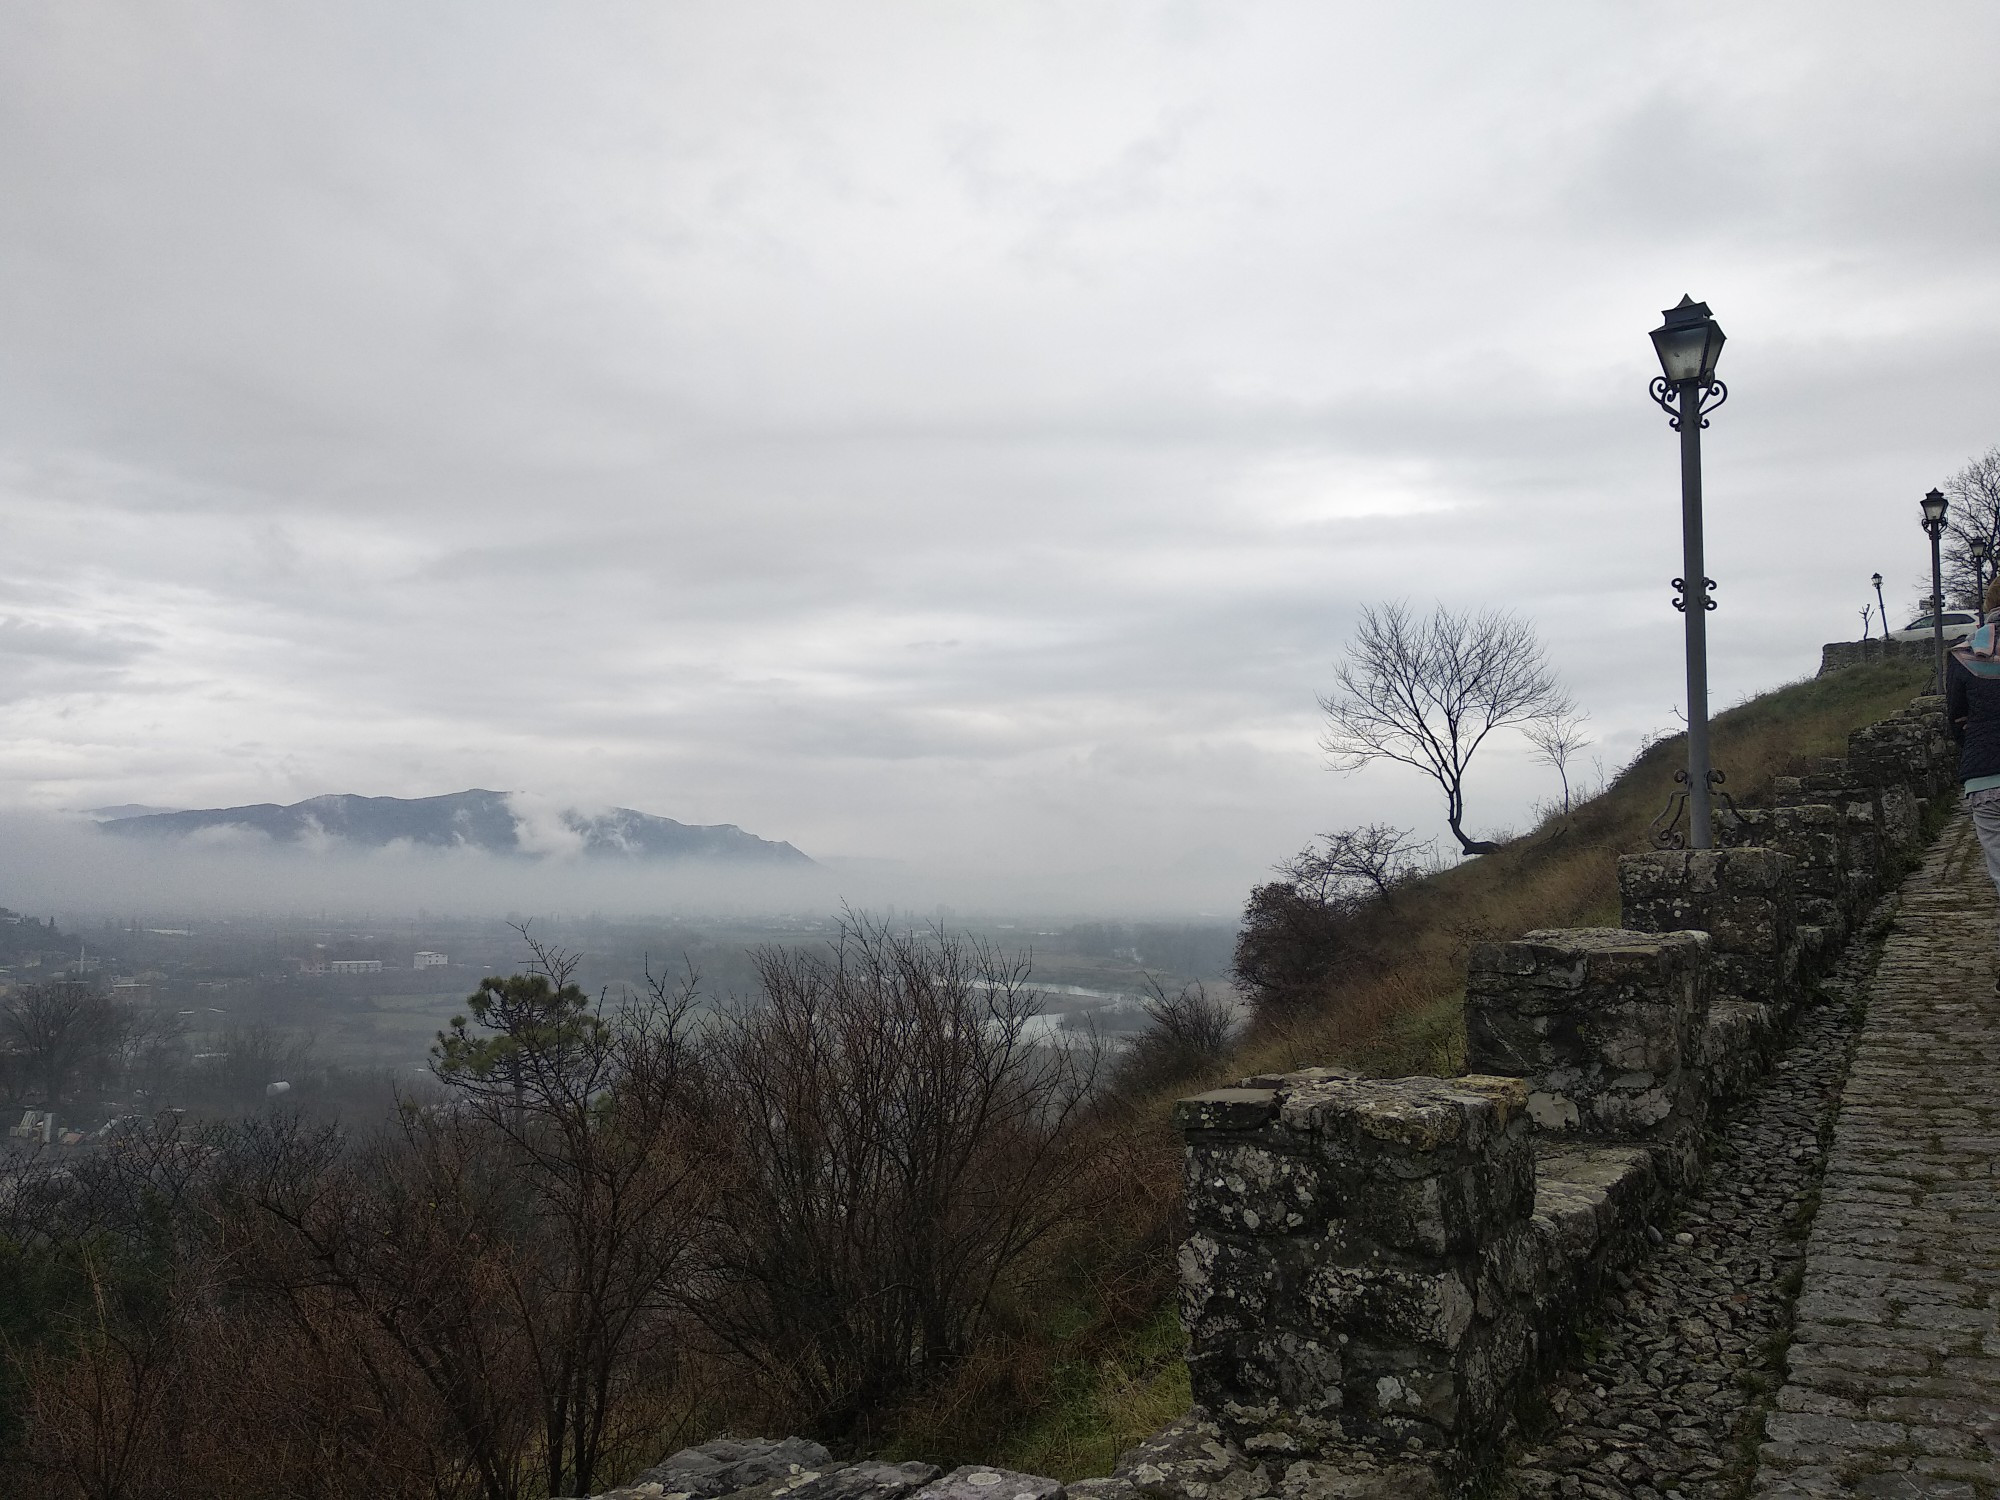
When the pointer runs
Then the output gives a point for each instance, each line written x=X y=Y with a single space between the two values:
x=1666 y=1400
x=1893 y=1383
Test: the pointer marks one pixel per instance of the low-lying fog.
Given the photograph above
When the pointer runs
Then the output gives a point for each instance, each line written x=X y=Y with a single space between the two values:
x=66 y=866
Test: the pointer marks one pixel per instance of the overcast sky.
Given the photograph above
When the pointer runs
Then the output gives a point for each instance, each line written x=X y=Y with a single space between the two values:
x=951 y=433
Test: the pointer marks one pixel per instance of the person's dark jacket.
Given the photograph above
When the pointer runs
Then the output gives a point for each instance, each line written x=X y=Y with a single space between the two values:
x=1972 y=704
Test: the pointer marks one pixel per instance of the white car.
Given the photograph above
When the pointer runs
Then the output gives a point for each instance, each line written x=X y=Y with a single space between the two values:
x=1958 y=624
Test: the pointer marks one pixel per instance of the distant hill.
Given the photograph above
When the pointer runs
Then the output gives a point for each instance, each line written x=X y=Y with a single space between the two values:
x=474 y=819
x=125 y=810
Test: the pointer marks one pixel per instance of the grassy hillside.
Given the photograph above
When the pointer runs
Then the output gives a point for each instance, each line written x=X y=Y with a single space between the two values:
x=1089 y=1358
x=1405 y=1018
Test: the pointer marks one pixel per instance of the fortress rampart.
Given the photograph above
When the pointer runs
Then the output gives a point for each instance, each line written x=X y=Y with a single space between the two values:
x=1378 y=1269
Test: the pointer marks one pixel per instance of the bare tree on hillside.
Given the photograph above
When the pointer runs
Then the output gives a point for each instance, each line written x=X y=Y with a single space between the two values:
x=1556 y=739
x=1974 y=492
x=1426 y=694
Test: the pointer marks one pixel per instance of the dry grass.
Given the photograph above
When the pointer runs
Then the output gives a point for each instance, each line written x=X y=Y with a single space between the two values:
x=1403 y=1014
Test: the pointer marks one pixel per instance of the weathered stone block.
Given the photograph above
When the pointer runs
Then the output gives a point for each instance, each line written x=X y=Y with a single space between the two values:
x=1901 y=829
x=871 y=1479
x=1743 y=898
x=1415 y=1164
x=1228 y=1284
x=1812 y=835
x=724 y=1466
x=1740 y=1037
x=1857 y=809
x=1226 y=1109
x=1593 y=1202
x=1602 y=1023
x=1252 y=1188
x=1838 y=655
x=983 y=1482
x=1427 y=1304
x=1340 y=1244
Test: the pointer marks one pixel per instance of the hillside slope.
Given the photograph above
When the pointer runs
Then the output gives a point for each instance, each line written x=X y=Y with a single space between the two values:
x=1091 y=1360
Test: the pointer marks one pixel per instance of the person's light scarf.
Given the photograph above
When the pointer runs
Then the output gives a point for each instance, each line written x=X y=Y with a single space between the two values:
x=1979 y=653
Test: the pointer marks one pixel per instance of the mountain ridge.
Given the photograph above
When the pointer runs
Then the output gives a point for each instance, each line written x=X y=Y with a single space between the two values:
x=495 y=822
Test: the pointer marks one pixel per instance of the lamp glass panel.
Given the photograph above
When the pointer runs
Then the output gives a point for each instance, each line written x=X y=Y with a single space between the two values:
x=1682 y=351
x=1935 y=506
x=1711 y=350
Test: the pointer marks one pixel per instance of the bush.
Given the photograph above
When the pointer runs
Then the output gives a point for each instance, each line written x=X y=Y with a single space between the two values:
x=889 y=1143
x=1187 y=1034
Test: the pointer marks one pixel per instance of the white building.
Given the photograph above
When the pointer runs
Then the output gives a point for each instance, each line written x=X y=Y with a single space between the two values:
x=432 y=961
x=354 y=966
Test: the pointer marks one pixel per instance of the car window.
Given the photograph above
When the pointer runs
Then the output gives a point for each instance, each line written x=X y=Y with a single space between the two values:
x=1961 y=619
x=1922 y=622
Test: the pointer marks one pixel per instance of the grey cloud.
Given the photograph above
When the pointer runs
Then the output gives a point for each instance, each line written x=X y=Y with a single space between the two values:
x=612 y=404
x=67 y=644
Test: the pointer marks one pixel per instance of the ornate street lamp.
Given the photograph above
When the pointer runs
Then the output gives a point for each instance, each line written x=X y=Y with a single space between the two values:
x=1980 y=548
x=1934 y=506
x=1876 y=579
x=1689 y=342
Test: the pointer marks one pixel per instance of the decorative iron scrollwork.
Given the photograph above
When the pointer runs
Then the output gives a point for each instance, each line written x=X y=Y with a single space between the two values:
x=1665 y=831
x=1664 y=395
x=1680 y=594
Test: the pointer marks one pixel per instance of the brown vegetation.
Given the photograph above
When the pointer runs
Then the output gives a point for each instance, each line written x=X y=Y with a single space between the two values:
x=616 y=1229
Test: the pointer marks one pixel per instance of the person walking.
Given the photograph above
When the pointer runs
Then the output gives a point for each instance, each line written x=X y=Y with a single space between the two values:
x=1972 y=704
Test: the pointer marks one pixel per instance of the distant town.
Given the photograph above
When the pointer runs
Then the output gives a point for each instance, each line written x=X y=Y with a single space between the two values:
x=117 y=1020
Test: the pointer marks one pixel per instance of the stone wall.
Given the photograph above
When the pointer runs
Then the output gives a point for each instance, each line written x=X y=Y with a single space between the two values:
x=1837 y=654
x=1343 y=1276
x=1377 y=1270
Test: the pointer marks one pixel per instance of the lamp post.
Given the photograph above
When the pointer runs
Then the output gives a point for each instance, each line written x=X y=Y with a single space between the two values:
x=1980 y=548
x=1876 y=579
x=1688 y=343
x=1934 y=506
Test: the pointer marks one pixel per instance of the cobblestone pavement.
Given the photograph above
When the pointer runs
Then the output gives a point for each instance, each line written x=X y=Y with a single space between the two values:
x=1671 y=1388
x=1894 y=1367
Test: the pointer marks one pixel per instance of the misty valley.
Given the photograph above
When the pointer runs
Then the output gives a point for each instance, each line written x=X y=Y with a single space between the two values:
x=222 y=1016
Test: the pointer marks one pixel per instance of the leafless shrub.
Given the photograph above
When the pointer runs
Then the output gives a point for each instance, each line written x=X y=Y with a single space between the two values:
x=396 y=1251
x=891 y=1144
x=503 y=1268
x=1356 y=863
x=1299 y=934
x=1187 y=1033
